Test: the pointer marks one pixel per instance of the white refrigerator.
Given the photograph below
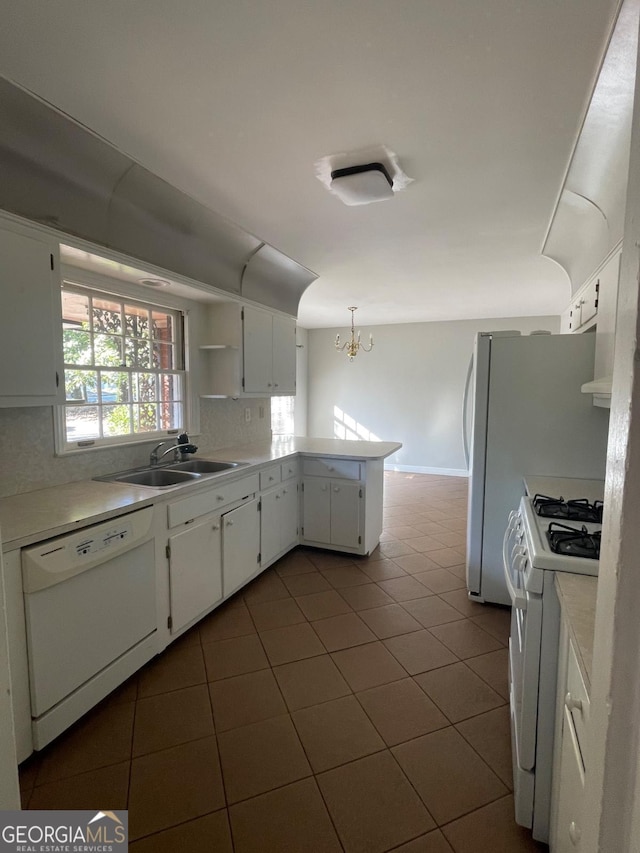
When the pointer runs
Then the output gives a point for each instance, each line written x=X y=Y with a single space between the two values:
x=524 y=414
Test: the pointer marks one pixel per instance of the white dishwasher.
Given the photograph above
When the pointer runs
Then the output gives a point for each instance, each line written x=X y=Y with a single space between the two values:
x=90 y=608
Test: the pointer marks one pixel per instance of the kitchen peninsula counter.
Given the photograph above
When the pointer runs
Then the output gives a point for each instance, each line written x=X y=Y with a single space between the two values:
x=32 y=516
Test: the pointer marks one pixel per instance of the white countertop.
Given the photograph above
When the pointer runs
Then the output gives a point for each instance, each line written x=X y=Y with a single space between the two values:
x=577 y=595
x=32 y=516
x=570 y=488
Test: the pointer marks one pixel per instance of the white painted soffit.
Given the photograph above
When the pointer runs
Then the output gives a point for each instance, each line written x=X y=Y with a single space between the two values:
x=589 y=218
x=57 y=173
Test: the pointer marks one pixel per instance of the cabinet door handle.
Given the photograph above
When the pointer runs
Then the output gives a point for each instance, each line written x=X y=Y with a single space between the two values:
x=574 y=833
x=215 y=527
x=323 y=489
x=331 y=468
x=219 y=497
x=572 y=703
x=268 y=385
x=277 y=497
x=284 y=492
x=229 y=523
x=336 y=488
x=275 y=384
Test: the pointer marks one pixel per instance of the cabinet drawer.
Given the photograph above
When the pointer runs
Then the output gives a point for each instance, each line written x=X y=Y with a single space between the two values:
x=347 y=469
x=576 y=700
x=270 y=476
x=289 y=470
x=211 y=499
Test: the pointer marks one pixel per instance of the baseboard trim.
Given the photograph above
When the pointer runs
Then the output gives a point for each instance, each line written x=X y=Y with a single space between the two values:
x=420 y=469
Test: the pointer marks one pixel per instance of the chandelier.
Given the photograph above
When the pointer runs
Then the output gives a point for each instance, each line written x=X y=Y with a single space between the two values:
x=353 y=345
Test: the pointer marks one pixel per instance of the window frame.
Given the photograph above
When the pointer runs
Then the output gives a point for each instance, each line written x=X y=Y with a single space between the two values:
x=129 y=296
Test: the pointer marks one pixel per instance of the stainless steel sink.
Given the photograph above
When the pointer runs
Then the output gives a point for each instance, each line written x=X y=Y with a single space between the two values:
x=203 y=466
x=176 y=474
x=158 y=478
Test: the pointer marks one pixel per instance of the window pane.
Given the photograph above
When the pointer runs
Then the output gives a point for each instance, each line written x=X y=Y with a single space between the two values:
x=107 y=316
x=145 y=387
x=115 y=386
x=81 y=385
x=171 y=416
x=162 y=326
x=136 y=321
x=82 y=422
x=282 y=415
x=116 y=420
x=77 y=347
x=170 y=388
x=138 y=353
x=75 y=310
x=163 y=356
x=145 y=418
x=108 y=351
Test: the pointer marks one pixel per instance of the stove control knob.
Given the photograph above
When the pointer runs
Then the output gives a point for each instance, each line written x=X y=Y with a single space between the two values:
x=572 y=704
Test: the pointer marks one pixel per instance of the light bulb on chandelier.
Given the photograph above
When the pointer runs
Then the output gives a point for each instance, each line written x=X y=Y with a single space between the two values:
x=354 y=344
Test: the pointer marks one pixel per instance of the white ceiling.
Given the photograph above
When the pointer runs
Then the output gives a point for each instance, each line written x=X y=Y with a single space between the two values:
x=234 y=101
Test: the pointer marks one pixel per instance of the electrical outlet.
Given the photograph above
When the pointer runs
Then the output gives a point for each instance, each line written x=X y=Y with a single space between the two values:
x=247 y=415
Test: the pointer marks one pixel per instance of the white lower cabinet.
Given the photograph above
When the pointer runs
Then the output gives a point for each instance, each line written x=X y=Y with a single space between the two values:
x=195 y=570
x=342 y=503
x=332 y=510
x=567 y=835
x=278 y=521
x=212 y=548
x=572 y=717
x=240 y=546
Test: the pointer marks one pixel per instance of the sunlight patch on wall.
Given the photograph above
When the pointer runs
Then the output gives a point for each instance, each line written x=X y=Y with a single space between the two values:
x=345 y=426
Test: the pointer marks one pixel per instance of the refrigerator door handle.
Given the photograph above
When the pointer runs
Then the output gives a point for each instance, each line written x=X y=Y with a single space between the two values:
x=465 y=406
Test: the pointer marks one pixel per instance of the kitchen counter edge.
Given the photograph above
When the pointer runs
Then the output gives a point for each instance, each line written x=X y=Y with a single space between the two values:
x=577 y=595
x=30 y=517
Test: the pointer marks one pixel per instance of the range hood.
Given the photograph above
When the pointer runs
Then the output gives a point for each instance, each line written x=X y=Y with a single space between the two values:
x=58 y=173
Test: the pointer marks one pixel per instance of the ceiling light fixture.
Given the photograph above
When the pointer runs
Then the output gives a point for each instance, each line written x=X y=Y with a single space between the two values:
x=353 y=345
x=154 y=282
x=362 y=184
x=376 y=175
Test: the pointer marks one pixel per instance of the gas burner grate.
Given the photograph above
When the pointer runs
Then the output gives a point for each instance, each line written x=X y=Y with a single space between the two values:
x=575 y=510
x=573 y=543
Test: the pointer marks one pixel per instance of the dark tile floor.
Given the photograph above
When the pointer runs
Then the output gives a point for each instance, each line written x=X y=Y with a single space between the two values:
x=335 y=703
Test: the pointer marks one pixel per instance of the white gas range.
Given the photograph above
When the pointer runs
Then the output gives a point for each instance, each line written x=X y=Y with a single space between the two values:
x=556 y=528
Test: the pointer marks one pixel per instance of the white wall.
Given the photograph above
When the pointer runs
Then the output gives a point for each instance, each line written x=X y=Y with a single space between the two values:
x=409 y=388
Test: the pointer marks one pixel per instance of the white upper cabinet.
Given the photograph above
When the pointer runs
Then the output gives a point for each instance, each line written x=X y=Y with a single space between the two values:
x=250 y=352
x=607 y=307
x=605 y=327
x=284 y=355
x=257 y=345
x=30 y=323
x=269 y=346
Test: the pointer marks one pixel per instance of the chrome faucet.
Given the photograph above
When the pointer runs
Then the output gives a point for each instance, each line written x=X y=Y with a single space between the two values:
x=179 y=449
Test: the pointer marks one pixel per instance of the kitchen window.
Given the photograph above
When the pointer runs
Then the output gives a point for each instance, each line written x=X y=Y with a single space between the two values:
x=124 y=371
x=283 y=415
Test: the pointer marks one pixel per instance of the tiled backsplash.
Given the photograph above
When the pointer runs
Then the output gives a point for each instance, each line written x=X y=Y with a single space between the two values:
x=27 y=460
